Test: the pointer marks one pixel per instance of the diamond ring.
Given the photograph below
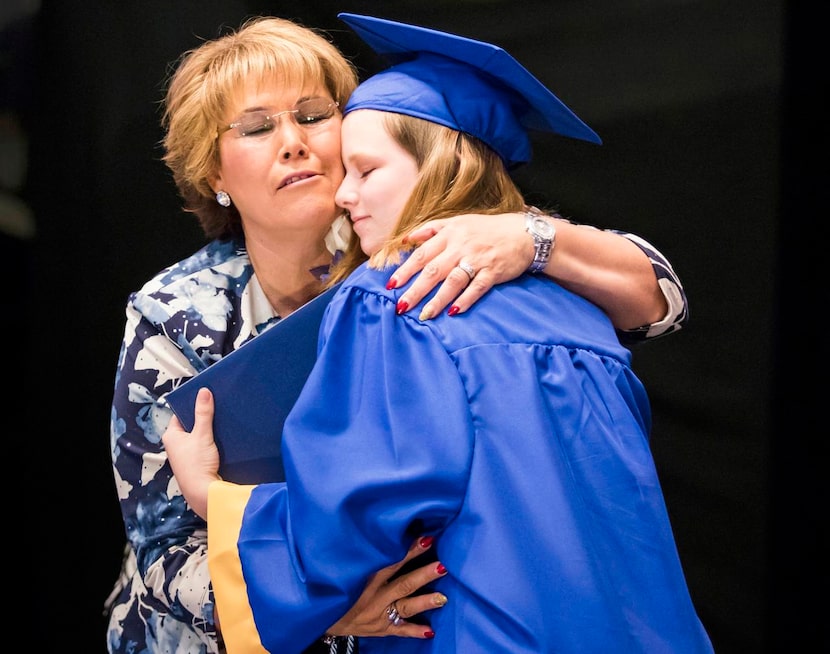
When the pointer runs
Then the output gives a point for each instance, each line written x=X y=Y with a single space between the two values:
x=467 y=268
x=392 y=615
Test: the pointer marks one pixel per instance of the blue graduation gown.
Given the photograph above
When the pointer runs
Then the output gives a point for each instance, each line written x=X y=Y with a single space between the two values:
x=516 y=433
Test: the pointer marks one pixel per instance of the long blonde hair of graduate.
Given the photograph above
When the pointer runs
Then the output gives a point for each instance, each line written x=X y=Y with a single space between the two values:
x=458 y=174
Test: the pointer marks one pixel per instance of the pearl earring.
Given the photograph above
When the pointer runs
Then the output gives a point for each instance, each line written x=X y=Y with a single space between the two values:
x=223 y=198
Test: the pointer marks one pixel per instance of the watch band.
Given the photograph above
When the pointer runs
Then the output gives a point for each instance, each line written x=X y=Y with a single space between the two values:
x=544 y=234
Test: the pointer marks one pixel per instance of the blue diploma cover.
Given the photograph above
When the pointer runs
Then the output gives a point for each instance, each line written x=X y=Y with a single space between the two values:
x=254 y=388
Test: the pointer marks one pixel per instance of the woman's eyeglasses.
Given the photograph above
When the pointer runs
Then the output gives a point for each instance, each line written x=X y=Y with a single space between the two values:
x=306 y=113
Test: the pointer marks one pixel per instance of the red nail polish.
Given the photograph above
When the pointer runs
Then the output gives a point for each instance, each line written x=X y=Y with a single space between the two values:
x=453 y=310
x=401 y=307
x=392 y=283
x=429 y=634
x=426 y=541
x=440 y=569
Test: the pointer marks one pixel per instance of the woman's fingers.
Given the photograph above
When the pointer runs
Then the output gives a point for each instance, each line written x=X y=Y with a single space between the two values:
x=418 y=547
x=389 y=602
x=404 y=590
x=437 y=263
x=409 y=604
x=417 y=604
x=464 y=256
x=432 y=243
x=428 y=246
x=457 y=293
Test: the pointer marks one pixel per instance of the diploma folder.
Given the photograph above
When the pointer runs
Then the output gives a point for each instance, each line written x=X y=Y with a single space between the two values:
x=254 y=388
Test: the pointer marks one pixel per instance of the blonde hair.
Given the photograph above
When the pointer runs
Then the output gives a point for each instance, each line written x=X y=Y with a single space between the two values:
x=458 y=174
x=206 y=78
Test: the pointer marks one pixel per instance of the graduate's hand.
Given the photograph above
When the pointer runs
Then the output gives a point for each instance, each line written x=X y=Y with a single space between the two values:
x=497 y=249
x=369 y=616
x=194 y=456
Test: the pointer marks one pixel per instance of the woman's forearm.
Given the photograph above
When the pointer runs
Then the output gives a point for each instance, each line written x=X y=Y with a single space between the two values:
x=610 y=271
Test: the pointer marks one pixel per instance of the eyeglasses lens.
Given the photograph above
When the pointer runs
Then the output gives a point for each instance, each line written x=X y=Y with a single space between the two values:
x=307 y=114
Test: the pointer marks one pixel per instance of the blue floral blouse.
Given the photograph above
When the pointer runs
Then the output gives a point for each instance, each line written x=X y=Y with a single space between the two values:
x=184 y=319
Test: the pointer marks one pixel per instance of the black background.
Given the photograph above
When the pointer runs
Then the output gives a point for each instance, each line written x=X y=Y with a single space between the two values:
x=709 y=112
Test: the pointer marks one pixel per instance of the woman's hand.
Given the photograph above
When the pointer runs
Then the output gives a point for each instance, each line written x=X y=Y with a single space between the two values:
x=604 y=267
x=194 y=456
x=370 y=615
x=497 y=248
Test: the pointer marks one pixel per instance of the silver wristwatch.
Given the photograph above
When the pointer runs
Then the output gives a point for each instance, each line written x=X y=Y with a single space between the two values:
x=544 y=235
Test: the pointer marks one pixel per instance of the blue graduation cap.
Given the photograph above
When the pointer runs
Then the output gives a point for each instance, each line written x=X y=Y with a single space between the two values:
x=472 y=86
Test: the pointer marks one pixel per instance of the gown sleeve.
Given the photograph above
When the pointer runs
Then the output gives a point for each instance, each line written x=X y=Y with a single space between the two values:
x=377 y=451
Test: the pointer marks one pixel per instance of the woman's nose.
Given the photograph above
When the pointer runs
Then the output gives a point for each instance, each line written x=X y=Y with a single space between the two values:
x=292 y=140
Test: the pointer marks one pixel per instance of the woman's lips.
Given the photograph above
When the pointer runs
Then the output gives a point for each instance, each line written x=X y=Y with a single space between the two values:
x=296 y=177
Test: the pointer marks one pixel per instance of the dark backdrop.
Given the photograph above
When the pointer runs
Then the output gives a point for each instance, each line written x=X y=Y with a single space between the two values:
x=708 y=110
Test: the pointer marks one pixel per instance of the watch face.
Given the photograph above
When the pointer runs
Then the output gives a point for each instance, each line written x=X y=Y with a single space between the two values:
x=543 y=228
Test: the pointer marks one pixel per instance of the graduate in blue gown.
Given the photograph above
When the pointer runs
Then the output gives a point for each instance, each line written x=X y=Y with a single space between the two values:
x=515 y=433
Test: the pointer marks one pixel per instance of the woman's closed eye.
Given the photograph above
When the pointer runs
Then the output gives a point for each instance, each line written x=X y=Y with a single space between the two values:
x=255 y=124
x=307 y=113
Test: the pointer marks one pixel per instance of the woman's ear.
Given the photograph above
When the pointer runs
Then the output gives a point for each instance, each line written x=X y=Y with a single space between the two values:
x=215 y=181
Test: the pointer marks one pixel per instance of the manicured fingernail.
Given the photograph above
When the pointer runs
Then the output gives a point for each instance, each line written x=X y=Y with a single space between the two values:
x=426 y=541
x=453 y=310
x=440 y=569
x=426 y=313
x=392 y=283
x=439 y=599
x=429 y=634
x=401 y=307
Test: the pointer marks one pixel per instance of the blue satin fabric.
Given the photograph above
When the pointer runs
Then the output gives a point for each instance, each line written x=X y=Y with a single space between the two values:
x=517 y=434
